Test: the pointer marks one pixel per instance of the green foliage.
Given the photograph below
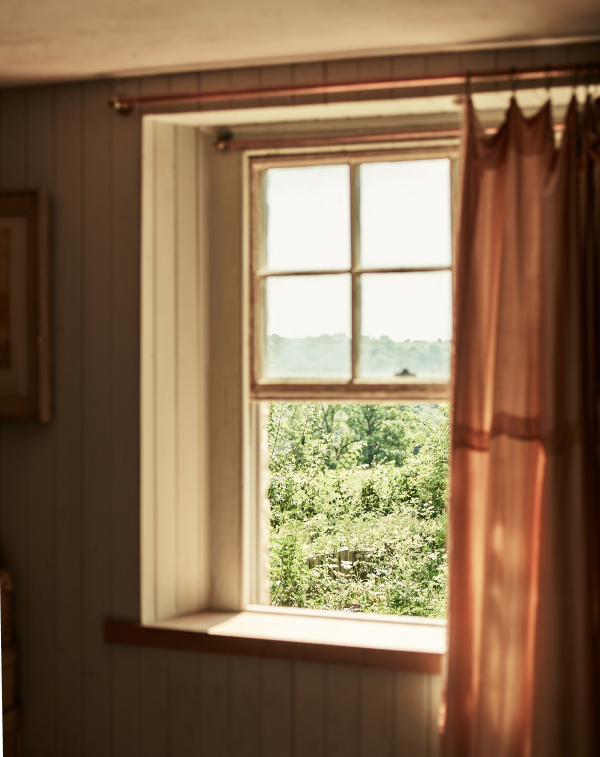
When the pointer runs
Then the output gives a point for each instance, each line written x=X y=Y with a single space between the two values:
x=367 y=481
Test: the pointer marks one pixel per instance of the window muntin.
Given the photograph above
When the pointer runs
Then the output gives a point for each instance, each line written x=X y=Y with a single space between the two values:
x=368 y=210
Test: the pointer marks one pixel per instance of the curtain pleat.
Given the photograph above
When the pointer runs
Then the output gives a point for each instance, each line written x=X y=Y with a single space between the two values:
x=524 y=465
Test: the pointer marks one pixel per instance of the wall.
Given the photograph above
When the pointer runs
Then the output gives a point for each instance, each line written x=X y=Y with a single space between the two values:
x=69 y=491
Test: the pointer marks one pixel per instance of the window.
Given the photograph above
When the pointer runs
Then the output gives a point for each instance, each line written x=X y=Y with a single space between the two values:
x=351 y=300
x=203 y=535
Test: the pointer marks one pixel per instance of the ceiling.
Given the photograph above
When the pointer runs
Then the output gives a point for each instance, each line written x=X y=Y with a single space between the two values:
x=53 y=40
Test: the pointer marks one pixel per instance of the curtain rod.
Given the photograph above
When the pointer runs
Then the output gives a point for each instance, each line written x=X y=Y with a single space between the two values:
x=124 y=103
x=228 y=142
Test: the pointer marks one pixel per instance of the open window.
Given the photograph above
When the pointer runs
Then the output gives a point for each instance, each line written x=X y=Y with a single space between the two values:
x=350 y=326
x=207 y=339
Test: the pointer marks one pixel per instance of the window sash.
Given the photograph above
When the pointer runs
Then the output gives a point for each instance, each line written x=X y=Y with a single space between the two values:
x=356 y=387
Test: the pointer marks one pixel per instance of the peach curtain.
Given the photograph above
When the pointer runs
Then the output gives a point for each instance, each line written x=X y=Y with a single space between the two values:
x=522 y=662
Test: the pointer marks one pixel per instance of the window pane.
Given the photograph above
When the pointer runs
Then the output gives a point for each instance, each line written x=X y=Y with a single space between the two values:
x=406 y=325
x=405 y=214
x=308 y=218
x=308 y=326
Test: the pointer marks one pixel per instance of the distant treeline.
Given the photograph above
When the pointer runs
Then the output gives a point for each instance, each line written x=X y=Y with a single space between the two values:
x=329 y=355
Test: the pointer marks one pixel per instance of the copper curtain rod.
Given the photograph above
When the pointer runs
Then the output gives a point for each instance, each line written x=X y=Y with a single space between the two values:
x=227 y=142
x=124 y=103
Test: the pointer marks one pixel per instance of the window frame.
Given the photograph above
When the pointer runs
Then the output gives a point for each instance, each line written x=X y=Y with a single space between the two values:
x=199 y=428
x=356 y=388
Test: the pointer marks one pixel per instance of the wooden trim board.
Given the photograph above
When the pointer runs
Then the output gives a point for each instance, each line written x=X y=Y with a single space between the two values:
x=412 y=645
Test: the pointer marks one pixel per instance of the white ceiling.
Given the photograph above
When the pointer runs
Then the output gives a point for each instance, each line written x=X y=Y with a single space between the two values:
x=51 y=40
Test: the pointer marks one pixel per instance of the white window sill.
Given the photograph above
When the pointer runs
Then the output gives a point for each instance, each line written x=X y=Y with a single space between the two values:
x=409 y=644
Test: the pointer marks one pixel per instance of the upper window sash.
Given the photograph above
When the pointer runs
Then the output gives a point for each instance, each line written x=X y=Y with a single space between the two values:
x=355 y=387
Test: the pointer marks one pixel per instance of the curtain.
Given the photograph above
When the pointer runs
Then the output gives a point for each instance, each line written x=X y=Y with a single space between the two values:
x=523 y=511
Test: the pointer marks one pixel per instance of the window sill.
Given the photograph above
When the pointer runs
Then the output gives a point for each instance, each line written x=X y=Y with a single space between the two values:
x=373 y=641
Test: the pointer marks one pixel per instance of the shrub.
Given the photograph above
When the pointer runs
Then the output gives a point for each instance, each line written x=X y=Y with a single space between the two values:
x=390 y=513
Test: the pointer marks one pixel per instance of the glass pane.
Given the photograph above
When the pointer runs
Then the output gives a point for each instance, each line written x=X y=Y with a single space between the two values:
x=308 y=218
x=405 y=214
x=308 y=326
x=406 y=325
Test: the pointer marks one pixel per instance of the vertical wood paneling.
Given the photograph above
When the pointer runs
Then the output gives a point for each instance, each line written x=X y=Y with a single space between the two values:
x=125 y=361
x=125 y=718
x=276 y=708
x=375 y=68
x=188 y=82
x=519 y=57
x=557 y=55
x=411 y=714
x=96 y=436
x=435 y=698
x=276 y=76
x=245 y=706
x=215 y=722
x=154 y=703
x=40 y=481
x=342 y=692
x=164 y=371
x=153 y=85
x=406 y=66
x=310 y=710
x=308 y=73
x=440 y=64
x=341 y=70
x=376 y=713
x=246 y=78
x=579 y=54
x=185 y=737
x=214 y=80
x=66 y=253
x=479 y=60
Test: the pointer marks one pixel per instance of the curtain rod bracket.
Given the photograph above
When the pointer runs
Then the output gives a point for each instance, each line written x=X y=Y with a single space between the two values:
x=123 y=109
x=223 y=140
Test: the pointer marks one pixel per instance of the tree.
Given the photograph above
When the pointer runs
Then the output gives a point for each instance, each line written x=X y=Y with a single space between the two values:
x=385 y=430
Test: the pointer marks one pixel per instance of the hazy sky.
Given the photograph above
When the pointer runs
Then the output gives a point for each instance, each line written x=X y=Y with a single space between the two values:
x=405 y=221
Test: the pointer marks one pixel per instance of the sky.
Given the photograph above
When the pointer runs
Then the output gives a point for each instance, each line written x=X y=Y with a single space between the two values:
x=405 y=221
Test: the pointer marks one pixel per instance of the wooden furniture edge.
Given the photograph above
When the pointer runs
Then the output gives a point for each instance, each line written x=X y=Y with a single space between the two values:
x=135 y=634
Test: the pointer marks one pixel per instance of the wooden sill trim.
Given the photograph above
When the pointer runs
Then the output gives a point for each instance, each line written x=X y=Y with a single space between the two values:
x=411 y=645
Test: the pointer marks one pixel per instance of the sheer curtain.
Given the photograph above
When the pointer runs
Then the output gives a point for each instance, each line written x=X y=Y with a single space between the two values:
x=523 y=615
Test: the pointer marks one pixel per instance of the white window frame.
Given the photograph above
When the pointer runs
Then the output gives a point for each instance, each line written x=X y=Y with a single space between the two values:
x=204 y=542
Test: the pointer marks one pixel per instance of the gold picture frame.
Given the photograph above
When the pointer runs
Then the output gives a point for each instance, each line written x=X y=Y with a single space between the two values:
x=24 y=305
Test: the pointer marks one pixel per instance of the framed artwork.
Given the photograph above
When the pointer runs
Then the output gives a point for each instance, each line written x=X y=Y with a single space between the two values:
x=24 y=305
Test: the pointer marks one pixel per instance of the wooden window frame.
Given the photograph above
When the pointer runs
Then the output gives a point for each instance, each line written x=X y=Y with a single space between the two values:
x=356 y=388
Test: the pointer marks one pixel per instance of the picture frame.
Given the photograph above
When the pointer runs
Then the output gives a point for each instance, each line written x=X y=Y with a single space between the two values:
x=25 y=384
